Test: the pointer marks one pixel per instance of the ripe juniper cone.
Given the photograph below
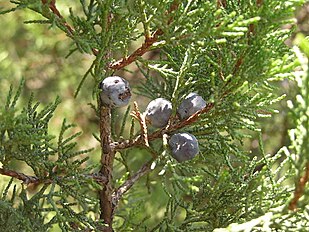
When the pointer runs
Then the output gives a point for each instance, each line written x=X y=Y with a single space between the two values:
x=190 y=105
x=158 y=112
x=116 y=91
x=184 y=146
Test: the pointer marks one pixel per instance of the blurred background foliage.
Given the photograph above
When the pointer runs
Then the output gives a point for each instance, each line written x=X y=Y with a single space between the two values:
x=37 y=54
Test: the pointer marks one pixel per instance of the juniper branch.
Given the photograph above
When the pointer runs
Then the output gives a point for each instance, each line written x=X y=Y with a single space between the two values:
x=20 y=176
x=159 y=133
x=52 y=6
x=138 y=52
x=55 y=11
x=146 y=46
x=27 y=179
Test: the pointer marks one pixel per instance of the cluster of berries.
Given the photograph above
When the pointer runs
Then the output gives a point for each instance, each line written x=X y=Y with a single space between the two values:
x=184 y=146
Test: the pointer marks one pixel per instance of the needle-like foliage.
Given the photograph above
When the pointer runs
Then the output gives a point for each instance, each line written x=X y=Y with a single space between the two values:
x=234 y=54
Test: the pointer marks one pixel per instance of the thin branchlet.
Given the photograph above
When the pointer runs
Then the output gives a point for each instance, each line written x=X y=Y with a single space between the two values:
x=34 y=180
x=173 y=126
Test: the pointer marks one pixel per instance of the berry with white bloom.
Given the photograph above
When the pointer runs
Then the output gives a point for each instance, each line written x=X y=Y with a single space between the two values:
x=158 y=112
x=190 y=105
x=184 y=146
x=116 y=91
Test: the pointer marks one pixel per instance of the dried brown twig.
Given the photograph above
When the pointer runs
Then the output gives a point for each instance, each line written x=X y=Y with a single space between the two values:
x=142 y=121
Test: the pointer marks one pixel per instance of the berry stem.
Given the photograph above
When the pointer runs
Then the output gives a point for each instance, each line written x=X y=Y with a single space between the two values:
x=139 y=140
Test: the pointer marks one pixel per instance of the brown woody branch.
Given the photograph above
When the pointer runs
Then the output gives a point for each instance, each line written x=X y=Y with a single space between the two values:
x=137 y=141
x=107 y=204
x=300 y=188
x=20 y=176
x=146 y=46
x=27 y=179
x=107 y=160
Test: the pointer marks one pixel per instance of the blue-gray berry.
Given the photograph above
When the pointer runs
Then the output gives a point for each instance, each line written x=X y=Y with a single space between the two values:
x=190 y=105
x=116 y=91
x=184 y=146
x=158 y=112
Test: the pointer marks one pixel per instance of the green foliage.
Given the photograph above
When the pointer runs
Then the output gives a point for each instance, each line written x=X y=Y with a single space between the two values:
x=23 y=218
x=24 y=135
x=60 y=167
x=233 y=56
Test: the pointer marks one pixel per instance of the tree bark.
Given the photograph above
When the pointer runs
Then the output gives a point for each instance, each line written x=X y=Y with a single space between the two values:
x=107 y=159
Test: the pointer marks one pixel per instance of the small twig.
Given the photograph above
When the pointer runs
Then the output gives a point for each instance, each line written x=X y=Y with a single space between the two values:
x=239 y=61
x=131 y=181
x=159 y=133
x=300 y=187
x=35 y=180
x=21 y=176
x=55 y=11
x=142 y=121
x=53 y=8
x=149 y=40
x=138 y=52
x=146 y=46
